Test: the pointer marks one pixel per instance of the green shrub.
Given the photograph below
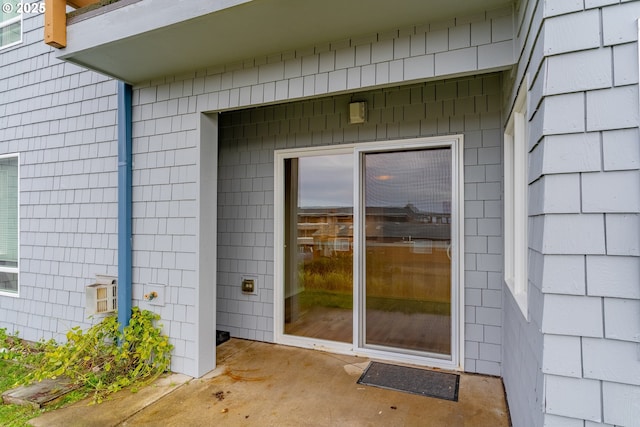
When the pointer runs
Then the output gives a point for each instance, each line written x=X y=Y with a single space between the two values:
x=105 y=359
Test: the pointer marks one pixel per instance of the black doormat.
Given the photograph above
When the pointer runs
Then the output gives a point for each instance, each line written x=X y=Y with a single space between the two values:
x=423 y=382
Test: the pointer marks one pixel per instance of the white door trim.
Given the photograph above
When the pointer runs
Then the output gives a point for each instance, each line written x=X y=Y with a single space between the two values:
x=457 y=237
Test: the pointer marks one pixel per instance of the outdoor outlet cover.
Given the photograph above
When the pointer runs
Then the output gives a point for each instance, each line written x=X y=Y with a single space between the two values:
x=249 y=285
x=154 y=294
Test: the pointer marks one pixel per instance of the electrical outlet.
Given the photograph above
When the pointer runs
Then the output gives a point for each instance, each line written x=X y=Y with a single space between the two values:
x=249 y=285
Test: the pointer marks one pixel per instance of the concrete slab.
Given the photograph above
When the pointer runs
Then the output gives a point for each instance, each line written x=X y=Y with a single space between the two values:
x=261 y=384
x=114 y=411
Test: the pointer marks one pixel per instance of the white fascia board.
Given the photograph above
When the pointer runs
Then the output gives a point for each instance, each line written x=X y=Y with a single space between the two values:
x=137 y=18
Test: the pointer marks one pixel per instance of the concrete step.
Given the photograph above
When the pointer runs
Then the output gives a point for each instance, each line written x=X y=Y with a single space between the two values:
x=38 y=394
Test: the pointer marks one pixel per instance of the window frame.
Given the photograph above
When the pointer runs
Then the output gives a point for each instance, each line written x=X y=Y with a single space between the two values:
x=12 y=21
x=357 y=347
x=516 y=186
x=14 y=270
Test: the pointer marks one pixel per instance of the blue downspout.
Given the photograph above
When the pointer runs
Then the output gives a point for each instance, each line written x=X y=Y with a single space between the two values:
x=125 y=264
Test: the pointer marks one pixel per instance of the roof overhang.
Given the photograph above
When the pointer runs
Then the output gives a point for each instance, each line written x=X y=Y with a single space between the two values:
x=143 y=40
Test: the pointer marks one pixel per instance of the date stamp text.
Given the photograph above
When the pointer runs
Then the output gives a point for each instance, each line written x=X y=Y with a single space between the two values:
x=20 y=8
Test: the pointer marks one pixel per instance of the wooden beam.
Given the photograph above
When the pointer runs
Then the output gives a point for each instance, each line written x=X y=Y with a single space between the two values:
x=55 y=23
x=81 y=3
x=55 y=20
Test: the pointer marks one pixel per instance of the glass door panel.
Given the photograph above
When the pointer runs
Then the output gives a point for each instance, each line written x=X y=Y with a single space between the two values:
x=318 y=270
x=407 y=250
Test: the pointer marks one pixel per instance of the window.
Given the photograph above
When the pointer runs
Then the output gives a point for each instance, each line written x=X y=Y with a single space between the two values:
x=515 y=201
x=343 y=245
x=9 y=220
x=10 y=24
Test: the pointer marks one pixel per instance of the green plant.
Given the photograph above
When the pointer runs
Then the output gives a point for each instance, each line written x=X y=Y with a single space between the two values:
x=13 y=348
x=15 y=358
x=105 y=359
x=9 y=346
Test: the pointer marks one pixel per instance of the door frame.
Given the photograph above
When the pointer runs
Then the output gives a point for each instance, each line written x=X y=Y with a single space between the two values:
x=356 y=347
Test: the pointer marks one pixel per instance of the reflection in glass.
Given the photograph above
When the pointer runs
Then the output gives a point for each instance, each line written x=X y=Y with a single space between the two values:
x=319 y=247
x=407 y=250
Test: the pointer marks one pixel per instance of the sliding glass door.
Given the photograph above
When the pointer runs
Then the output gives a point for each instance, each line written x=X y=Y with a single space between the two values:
x=406 y=258
x=367 y=259
x=318 y=199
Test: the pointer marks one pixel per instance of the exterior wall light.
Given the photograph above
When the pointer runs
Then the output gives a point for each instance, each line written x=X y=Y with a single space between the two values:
x=357 y=112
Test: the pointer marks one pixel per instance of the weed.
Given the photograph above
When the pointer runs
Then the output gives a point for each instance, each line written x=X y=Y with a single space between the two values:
x=105 y=359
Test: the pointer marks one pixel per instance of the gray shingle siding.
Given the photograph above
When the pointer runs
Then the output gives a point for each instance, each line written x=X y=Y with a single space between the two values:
x=62 y=121
x=166 y=113
x=583 y=217
x=245 y=193
x=573 y=362
x=522 y=351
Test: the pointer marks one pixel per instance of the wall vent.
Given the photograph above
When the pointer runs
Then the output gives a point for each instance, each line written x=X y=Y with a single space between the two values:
x=102 y=296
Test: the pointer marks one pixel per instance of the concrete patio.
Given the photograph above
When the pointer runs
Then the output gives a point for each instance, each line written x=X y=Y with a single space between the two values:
x=260 y=384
